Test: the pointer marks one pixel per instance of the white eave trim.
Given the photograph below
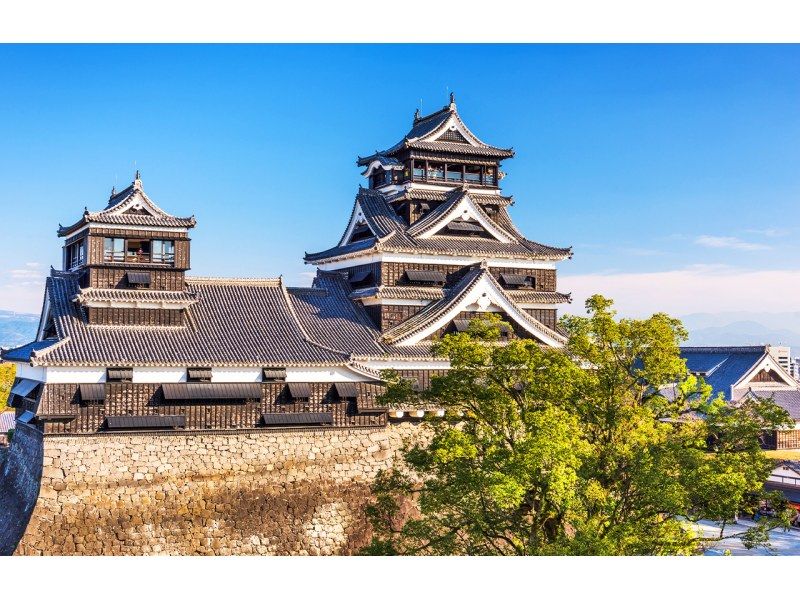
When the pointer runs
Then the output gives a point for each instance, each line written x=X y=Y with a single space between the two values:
x=138 y=304
x=484 y=296
x=466 y=210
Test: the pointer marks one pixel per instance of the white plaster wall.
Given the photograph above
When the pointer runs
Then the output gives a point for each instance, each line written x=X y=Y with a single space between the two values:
x=324 y=375
x=235 y=374
x=31 y=372
x=144 y=374
x=76 y=375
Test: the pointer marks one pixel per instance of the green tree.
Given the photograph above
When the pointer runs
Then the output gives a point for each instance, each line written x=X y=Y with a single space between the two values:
x=605 y=447
x=7 y=373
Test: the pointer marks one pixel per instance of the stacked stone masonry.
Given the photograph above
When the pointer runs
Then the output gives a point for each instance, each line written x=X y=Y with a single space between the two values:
x=287 y=492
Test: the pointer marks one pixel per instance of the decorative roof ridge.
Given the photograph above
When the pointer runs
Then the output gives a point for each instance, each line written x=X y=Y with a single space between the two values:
x=363 y=369
x=234 y=281
x=726 y=348
x=447 y=108
x=43 y=352
x=201 y=363
x=521 y=291
x=167 y=327
x=88 y=294
x=396 y=357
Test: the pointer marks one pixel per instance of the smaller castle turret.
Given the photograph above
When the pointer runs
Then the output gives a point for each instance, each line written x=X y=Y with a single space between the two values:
x=130 y=260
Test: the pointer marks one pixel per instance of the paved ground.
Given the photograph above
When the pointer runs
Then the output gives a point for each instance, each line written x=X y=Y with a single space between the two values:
x=782 y=542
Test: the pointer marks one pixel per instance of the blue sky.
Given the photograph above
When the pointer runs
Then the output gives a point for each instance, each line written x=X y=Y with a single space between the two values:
x=674 y=171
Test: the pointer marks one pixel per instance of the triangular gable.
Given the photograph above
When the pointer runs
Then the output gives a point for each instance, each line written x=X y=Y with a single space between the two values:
x=460 y=208
x=357 y=219
x=769 y=368
x=134 y=200
x=479 y=291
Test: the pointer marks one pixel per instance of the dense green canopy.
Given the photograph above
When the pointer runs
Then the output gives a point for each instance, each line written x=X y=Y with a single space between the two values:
x=573 y=451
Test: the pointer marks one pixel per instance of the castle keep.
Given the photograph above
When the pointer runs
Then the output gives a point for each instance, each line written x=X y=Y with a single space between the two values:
x=133 y=352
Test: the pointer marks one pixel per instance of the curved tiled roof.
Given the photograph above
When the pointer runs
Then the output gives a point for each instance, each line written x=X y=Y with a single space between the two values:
x=426 y=129
x=393 y=235
x=121 y=210
x=234 y=323
x=331 y=319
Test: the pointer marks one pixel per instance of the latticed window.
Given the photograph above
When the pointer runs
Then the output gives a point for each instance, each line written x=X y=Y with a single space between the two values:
x=163 y=252
x=76 y=254
x=113 y=249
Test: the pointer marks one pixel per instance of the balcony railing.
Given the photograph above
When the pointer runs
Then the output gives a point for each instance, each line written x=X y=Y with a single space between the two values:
x=783 y=480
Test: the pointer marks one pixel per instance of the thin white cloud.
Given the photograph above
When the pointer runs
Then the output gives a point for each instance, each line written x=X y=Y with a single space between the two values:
x=768 y=232
x=26 y=274
x=702 y=288
x=728 y=243
x=22 y=298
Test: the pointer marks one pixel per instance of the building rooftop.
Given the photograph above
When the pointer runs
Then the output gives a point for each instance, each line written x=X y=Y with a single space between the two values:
x=131 y=206
x=441 y=131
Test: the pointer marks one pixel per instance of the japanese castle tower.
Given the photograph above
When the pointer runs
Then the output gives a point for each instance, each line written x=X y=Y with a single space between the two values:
x=129 y=342
x=430 y=243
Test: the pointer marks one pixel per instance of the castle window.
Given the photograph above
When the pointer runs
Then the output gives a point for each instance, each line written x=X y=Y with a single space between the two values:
x=425 y=277
x=435 y=171
x=518 y=280
x=138 y=279
x=378 y=178
x=460 y=227
x=454 y=172
x=76 y=254
x=360 y=279
x=119 y=374
x=300 y=390
x=490 y=176
x=137 y=250
x=163 y=252
x=113 y=250
x=472 y=174
x=199 y=374
x=419 y=169
x=274 y=374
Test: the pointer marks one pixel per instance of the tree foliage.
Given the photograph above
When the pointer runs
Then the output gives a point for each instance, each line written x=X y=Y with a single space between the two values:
x=7 y=373
x=605 y=447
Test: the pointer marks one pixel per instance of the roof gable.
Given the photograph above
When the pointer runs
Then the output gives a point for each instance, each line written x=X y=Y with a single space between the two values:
x=442 y=130
x=459 y=207
x=131 y=206
x=476 y=291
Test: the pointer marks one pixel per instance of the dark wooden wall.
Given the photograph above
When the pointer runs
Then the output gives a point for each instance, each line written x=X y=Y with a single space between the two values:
x=113 y=277
x=62 y=411
x=134 y=316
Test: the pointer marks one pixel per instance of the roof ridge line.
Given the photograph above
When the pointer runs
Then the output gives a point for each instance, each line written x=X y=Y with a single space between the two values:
x=234 y=281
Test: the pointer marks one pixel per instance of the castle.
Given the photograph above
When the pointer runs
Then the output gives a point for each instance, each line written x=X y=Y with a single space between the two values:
x=131 y=352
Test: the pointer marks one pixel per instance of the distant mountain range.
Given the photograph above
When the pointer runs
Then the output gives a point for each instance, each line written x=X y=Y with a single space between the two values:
x=743 y=328
x=17 y=329
x=730 y=328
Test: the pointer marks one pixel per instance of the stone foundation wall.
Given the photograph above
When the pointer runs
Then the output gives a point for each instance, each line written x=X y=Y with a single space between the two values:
x=20 y=471
x=276 y=492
